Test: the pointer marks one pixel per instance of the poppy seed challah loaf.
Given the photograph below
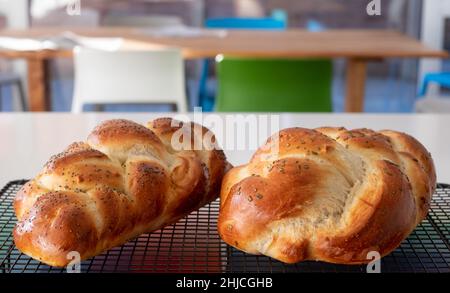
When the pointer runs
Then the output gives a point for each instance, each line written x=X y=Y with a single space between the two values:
x=329 y=194
x=124 y=181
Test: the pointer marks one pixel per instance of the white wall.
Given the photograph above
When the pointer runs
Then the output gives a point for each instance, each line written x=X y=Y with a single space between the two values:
x=16 y=12
x=433 y=16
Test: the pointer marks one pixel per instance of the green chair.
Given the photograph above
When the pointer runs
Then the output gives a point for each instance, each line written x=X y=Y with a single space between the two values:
x=274 y=85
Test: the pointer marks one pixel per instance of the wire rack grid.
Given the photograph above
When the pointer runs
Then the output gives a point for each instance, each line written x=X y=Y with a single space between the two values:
x=192 y=245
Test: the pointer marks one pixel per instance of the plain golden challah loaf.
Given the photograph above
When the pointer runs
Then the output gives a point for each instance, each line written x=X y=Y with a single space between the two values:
x=328 y=194
x=126 y=180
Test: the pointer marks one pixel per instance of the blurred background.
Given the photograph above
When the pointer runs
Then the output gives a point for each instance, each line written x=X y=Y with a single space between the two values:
x=393 y=85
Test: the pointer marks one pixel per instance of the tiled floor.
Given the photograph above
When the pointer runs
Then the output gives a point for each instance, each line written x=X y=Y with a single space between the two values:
x=382 y=95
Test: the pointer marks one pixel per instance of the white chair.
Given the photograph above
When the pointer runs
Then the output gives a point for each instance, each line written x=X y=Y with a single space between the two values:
x=142 y=20
x=129 y=77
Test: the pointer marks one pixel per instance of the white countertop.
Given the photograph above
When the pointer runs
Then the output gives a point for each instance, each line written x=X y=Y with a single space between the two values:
x=28 y=140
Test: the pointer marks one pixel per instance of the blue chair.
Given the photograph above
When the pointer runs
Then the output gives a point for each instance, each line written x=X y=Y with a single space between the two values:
x=277 y=22
x=266 y=23
x=280 y=14
x=442 y=79
x=313 y=25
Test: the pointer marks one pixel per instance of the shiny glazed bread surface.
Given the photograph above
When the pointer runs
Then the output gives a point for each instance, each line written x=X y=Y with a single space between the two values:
x=125 y=180
x=328 y=194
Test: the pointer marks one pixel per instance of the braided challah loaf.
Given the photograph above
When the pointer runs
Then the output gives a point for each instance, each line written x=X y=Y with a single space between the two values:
x=124 y=181
x=328 y=194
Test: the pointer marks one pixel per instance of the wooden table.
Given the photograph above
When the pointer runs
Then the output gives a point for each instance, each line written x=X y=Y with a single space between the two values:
x=358 y=46
x=29 y=139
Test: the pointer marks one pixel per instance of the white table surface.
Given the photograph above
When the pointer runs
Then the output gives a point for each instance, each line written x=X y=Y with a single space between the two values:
x=27 y=140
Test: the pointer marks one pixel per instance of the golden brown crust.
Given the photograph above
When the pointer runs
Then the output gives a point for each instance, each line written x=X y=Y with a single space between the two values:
x=328 y=194
x=124 y=181
x=123 y=132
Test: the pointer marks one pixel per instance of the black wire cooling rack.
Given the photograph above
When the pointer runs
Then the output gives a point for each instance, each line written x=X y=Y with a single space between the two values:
x=192 y=245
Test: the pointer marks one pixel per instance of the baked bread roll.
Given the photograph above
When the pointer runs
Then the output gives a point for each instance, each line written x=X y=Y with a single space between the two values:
x=124 y=181
x=328 y=194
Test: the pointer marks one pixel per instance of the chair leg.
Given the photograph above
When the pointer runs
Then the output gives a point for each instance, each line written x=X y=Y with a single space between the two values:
x=23 y=102
x=202 y=88
x=99 y=108
x=1 y=98
x=77 y=106
x=424 y=87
